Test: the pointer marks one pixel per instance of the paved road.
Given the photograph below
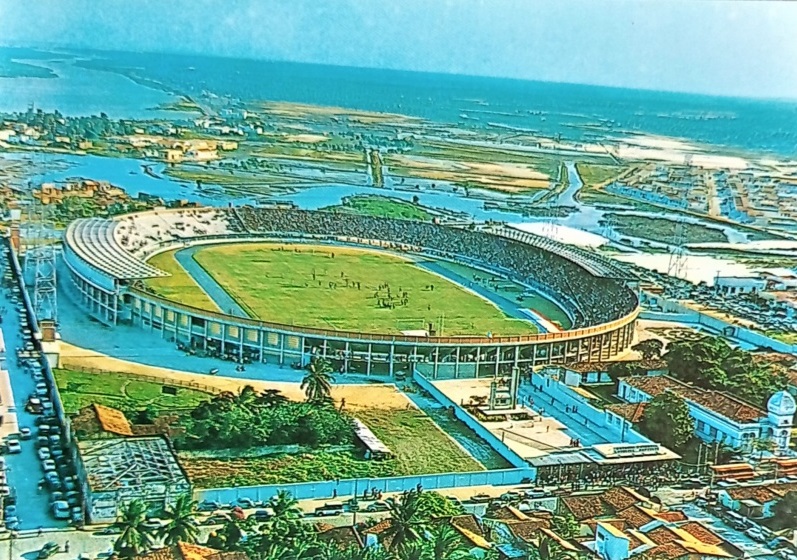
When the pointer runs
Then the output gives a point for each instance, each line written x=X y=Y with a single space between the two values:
x=24 y=469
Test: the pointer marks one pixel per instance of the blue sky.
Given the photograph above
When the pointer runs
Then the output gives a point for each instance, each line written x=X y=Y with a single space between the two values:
x=727 y=48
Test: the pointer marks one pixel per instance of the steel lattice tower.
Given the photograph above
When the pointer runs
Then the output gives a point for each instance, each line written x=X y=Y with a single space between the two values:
x=40 y=265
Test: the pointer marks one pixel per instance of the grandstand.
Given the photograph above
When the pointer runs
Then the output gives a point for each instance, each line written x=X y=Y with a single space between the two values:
x=107 y=261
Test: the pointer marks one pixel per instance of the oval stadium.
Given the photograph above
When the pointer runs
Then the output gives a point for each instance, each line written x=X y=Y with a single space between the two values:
x=278 y=284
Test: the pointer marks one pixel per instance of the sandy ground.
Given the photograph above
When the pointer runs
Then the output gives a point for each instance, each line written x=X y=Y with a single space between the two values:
x=528 y=438
x=384 y=397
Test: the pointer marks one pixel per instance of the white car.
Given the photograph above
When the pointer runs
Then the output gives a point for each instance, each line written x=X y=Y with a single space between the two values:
x=14 y=446
x=48 y=465
x=44 y=454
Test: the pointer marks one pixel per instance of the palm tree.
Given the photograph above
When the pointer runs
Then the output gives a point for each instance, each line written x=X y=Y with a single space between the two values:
x=447 y=544
x=549 y=549
x=317 y=384
x=415 y=550
x=406 y=522
x=182 y=525
x=286 y=525
x=136 y=536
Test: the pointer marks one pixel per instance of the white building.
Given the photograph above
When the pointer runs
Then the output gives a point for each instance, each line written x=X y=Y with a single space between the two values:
x=719 y=416
x=733 y=285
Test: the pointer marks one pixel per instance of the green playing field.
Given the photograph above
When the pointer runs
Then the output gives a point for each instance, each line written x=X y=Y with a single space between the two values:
x=350 y=289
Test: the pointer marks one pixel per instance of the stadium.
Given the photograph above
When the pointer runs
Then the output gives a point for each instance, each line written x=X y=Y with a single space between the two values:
x=375 y=296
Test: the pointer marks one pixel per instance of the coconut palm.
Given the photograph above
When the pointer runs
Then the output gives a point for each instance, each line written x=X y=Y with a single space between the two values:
x=317 y=384
x=446 y=544
x=136 y=536
x=549 y=549
x=181 y=525
x=406 y=523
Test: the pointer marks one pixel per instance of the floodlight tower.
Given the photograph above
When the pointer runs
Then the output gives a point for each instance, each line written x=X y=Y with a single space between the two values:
x=677 y=263
x=40 y=261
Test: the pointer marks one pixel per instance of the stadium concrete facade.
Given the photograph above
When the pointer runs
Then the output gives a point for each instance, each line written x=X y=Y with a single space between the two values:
x=107 y=265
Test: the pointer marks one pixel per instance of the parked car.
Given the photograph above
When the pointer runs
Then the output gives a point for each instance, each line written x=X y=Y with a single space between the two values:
x=44 y=453
x=261 y=515
x=53 y=480
x=48 y=550
x=13 y=446
x=12 y=523
x=208 y=505
x=535 y=493
x=61 y=509
x=217 y=519
x=481 y=498
x=329 y=508
x=48 y=465
x=25 y=433
x=510 y=496
x=377 y=506
x=247 y=503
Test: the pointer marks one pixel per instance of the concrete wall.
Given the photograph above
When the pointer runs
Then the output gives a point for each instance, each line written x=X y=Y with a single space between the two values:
x=326 y=489
x=675 y=312
x=594 y=416
x=500 y=447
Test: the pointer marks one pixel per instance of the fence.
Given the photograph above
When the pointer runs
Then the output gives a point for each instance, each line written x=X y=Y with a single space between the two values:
x=352 y=487
x=672 y=311
x=462 y=414
x=66 y=364
x=564 y=396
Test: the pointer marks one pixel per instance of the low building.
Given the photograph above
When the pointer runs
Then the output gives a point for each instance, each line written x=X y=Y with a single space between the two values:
x=117 y=470
x=735 y=285
x=754 y=501
x=720 y=417
x=186 y=551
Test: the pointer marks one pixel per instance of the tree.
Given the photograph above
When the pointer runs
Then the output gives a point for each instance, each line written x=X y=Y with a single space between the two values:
x=181 y=521
x=785 y=512
x=434 y=504
x=317 y=384
x=650 y=349
x=624 y=369
x=762 y=445
x=446 y=544
x=548 y=549
x=406 y=521
x=666 y=420
x=566 y=525
x=136 y=536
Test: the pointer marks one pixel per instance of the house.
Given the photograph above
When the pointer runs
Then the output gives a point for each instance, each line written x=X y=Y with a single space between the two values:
x=754 y=501
x=719 y=417
x=186 y=551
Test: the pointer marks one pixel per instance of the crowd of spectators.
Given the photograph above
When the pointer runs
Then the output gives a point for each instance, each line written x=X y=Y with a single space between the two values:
x=592 y=300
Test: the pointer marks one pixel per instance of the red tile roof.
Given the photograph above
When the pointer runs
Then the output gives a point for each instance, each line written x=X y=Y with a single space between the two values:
x=620 y=498
x=702 y=534
x=717 y=401
x=635 y=516
x=630 y=411
x=669 y=551
x=672 y=516
x=585 y=507
x=662 y=535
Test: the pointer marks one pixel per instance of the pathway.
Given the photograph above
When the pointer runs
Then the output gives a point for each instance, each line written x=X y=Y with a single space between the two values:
x=212 y=288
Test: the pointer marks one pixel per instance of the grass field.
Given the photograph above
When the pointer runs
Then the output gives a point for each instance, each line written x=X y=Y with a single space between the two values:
x=308 y=286
x=593 y=174
x=179 y=286
x=661 y=229
x=382 y=206
x=119 y=390
x=420 y=448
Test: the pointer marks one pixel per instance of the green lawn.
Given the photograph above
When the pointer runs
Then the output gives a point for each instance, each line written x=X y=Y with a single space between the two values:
x=317 y=287
x=119 y=390
x=420 y=448
x=661 y=229
x=179 y=286
x=382 y=206
x=418 y=443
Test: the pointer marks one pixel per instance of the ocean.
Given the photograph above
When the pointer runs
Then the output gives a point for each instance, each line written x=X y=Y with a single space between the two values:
x=91 y=80
x=575 y=112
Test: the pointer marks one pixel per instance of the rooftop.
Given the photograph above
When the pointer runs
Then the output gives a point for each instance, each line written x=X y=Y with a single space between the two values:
x=137 y=464
x=716 y=401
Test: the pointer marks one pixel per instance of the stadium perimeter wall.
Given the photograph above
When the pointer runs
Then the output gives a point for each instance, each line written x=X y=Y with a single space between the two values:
x=500 y=447
x=355 y=486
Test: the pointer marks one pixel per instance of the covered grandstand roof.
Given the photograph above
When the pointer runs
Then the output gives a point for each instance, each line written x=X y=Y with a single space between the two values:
x=93 y=241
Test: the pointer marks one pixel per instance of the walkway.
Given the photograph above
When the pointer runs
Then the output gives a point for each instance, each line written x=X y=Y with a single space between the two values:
x=24 y=469
x=458 y=431
x=212 y=288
